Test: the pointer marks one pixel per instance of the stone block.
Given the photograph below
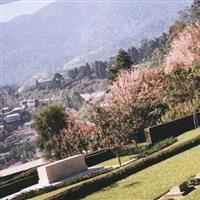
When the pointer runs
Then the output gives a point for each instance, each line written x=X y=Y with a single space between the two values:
x=61 y=169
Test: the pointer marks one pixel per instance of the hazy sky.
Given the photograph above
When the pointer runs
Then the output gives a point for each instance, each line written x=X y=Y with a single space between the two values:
x=23 y=7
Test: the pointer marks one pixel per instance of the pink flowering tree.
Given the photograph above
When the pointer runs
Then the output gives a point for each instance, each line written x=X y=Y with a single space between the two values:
x=185 y=49
x=135 y=86
x=133 y=103
x=183 y=71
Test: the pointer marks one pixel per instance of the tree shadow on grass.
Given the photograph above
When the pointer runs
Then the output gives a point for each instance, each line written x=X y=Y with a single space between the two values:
x=131 y=184
x=110 y=187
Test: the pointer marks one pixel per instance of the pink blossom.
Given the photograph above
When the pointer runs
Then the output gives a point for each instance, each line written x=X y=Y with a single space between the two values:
x=185 y=49
x=135 y=85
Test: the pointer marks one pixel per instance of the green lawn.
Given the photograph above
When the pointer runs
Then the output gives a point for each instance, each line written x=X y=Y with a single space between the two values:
x=134 y=185
x=153 y=181
x=195 y=195
x=188 y=135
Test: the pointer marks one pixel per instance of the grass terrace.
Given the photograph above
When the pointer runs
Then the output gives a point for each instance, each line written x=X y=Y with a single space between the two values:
x=188 y=135
x=151 y=182
x=195 y=195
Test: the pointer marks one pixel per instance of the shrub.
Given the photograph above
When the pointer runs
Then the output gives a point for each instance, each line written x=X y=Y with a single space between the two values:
x=192 y=181
x=157 y=147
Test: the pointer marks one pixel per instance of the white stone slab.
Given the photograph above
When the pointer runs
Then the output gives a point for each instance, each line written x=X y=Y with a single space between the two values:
x=61 y=169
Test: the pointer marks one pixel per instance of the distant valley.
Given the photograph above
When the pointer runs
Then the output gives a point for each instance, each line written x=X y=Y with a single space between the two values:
x=63 y=35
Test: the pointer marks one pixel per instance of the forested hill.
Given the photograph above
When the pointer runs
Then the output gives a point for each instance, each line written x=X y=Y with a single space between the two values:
x=79 y=31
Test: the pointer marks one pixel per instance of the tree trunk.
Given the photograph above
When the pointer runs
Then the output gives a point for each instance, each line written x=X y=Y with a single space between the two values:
x=195 y=120
x=119 y=160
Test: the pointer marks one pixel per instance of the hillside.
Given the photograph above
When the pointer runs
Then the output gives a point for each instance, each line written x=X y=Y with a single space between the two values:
x=81 y=31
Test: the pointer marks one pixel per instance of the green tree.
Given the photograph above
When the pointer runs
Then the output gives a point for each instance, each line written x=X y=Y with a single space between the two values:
x=183 y=86
x=59 y=134
x=122 y=61
x=59 y=80
x=196 y=9
x=48 y=123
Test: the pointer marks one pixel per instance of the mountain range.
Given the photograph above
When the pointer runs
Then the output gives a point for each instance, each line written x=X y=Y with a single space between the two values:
x=67 y=34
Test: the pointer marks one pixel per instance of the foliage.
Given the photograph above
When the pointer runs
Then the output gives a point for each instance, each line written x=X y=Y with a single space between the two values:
x=155 y=50
x=135 y=85
x=87 y=113
x=59 y=80
x=150 y=50
x=185 y=49
x=97 y=68
x=192 y=181
x=123 y=61
x=48 y=123
x=59 y=134
x=196 y=9
x=74 y=100
x=182 y=86
x=134 y=102
x=75 y=139
x=20 y=152
x=134 y=54
x=156 y=147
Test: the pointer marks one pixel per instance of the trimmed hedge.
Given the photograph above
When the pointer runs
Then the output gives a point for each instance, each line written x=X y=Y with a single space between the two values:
x=33 y=193
x=170 y=129
x=102 y=181
x=16 y=176
x=9 y=177
x=148 y=150
x=98 y=157
x=18 y=183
